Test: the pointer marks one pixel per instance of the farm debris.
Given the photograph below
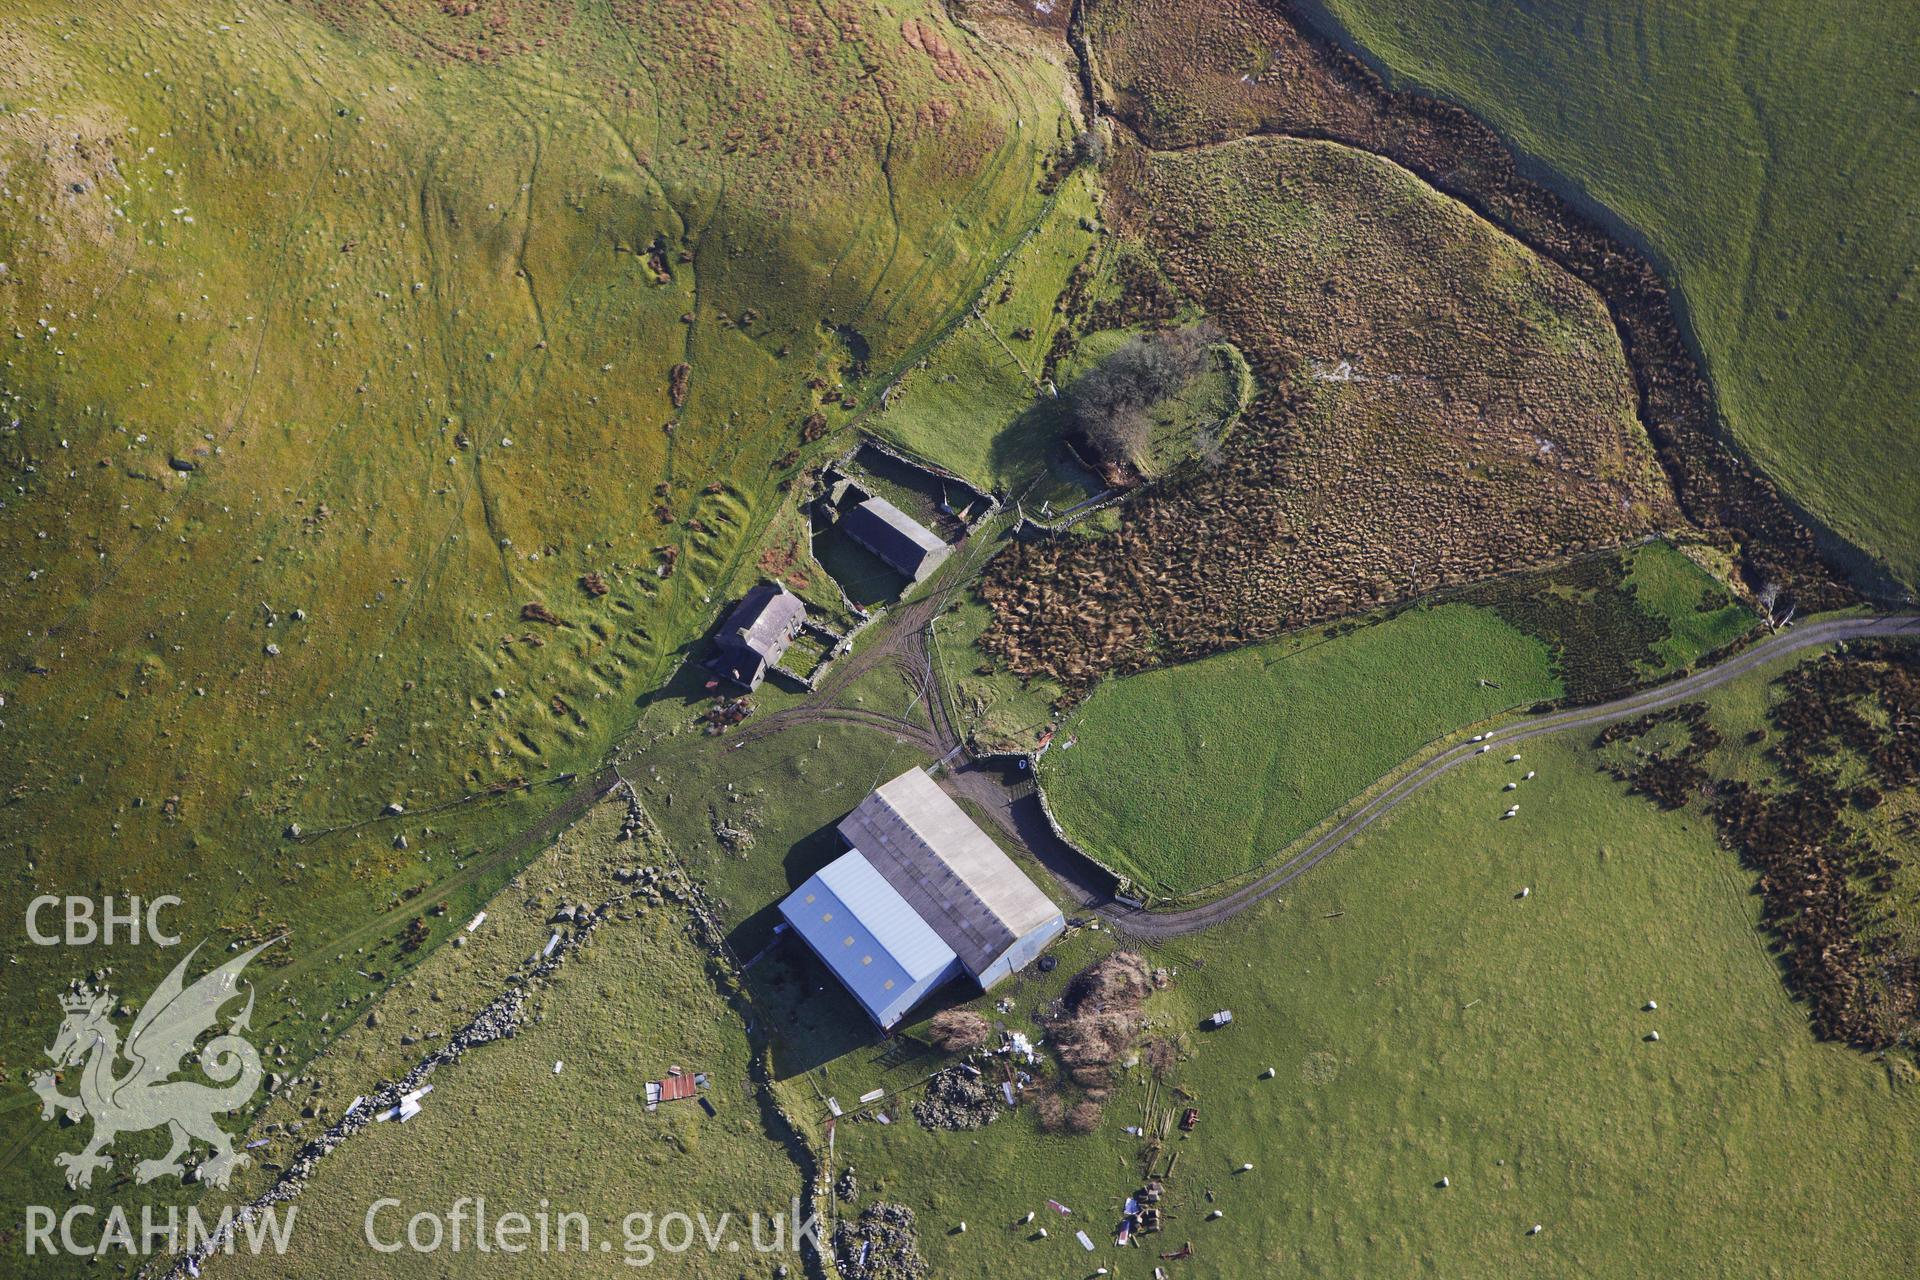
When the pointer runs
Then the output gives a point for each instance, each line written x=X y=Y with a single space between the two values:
x=725 y=713
x=956 y=1101
x=879 y=1245
x=407 y=1108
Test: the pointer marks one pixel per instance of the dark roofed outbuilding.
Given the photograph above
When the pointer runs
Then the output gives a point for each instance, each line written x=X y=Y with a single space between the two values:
x=757 y=633
x=896 y=537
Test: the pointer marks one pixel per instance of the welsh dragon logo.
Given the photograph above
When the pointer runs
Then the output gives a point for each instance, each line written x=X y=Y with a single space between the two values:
x=128 y=1088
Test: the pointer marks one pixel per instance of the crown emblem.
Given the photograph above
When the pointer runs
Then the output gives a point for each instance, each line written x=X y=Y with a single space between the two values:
x=79 y=998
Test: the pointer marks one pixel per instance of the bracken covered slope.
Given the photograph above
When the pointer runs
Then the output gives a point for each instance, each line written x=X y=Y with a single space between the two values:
x=1441 y=405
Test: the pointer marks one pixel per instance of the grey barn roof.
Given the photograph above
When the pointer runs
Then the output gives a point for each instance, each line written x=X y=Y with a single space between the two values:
x=894 y=536
x=948 y=870
x=757 y=632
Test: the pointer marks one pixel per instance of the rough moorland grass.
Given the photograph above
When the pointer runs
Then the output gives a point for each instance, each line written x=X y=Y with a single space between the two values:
x=1780 y=206
x=1424 y=1022
x=337 y=349
x=1183 y=777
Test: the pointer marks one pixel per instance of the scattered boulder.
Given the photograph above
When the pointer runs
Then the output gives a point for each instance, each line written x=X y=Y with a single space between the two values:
x=955 y=1100
x=879 y=1245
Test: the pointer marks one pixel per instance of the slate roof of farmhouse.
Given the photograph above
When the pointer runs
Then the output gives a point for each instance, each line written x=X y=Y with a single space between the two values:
x=893 y=535
x=762 y=624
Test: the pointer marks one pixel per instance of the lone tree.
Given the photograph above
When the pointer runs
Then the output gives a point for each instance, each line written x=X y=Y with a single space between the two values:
x=1108 y=404
x=1089 y=148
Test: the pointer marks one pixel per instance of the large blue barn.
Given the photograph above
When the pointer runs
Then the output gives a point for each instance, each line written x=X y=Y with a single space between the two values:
x=921 y=897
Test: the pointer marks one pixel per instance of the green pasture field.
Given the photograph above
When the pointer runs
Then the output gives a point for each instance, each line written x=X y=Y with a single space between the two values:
x=1699 y=614
x=1763 y=150
x=1188 y=776
x=1424 y=1022
x=978 y=407
x=1184 y=777
x=501 y=1125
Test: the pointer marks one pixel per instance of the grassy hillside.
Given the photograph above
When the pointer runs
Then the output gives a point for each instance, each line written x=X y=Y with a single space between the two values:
x=1763 y=151
x=344 y=342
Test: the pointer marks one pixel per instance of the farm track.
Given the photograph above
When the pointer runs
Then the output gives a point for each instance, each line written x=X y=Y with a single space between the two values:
x=1007 y=794
x=1171 y=924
